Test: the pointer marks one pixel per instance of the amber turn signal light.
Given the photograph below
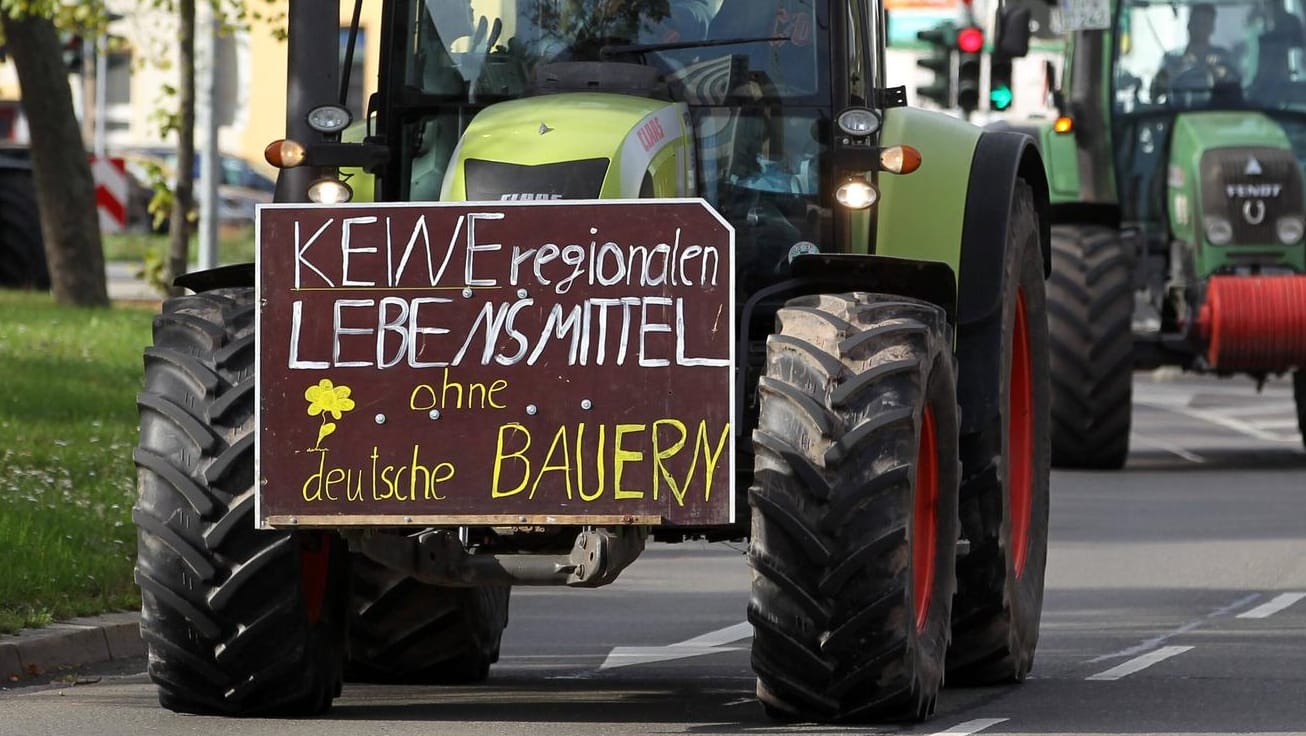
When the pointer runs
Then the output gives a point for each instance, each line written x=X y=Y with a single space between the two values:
x=900 y=159
x=1063 y=125
x=284 y=154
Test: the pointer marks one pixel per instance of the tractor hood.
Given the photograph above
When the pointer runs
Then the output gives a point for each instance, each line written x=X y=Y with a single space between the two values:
x=574 y=146
x=1234 y=183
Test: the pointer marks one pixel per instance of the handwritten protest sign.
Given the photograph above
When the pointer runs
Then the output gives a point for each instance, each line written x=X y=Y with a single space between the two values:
x=546 y=362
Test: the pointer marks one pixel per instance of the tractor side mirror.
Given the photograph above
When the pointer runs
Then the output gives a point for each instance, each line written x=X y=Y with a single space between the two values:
x=1012 y=28
x=1050 y=86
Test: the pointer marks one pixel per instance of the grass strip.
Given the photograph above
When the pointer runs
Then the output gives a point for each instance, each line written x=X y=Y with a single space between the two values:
x=67 y=483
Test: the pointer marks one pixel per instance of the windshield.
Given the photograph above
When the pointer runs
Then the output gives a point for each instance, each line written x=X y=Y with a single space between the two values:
x=479 y=49
x=1186 y=55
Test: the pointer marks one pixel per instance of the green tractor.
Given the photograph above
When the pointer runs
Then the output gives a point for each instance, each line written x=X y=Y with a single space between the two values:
x=627 y=272
x=1176 y=184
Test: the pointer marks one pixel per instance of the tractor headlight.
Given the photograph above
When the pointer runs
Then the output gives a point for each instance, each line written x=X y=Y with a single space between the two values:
x=329 y=190
x=858 y=121
x=329 y=119
x=1218 y=230
x=1289 y=229
x=856 y=193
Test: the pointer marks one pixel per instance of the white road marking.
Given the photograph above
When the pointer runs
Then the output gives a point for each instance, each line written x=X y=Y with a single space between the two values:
x=1148 y=645
x=1170 y=447
x=1138 y=663
x=720 y=637
x=1217 y=419
x=1252 y=410
x=713 y=642
x=970 y=727
x=1285 y=423
x=1273 y=606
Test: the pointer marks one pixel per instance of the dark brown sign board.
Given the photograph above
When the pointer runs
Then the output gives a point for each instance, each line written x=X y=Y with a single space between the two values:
x=495 y=363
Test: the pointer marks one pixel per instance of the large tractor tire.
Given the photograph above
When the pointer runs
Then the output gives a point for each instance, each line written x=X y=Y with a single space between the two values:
x=22 y=252
x=237 y=621
x=1299 y=396
x=404 y=630
x=1090 y=311
x=854 y=509
x=1004 y=491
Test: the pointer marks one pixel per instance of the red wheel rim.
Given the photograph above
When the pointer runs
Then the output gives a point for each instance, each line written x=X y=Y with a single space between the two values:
x=1020 y=437
x=314 y=568
x=925 y=529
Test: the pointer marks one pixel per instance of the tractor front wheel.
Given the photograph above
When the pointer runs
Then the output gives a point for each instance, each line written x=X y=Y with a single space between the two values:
x=854 y=509
x=1090 y=313
x=1004 y=493
x=238 y=621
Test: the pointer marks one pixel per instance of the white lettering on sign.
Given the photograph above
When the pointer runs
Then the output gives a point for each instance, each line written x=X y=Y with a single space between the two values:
x=648 y=331
x=556 y=266
x=633 y=313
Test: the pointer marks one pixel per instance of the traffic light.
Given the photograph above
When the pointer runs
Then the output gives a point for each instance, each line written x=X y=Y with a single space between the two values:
x=72 y=47
x=1000 y=87
x=938 y=59
x=970 y=54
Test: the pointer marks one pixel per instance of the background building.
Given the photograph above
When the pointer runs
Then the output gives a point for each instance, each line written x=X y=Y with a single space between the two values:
x=250 y=80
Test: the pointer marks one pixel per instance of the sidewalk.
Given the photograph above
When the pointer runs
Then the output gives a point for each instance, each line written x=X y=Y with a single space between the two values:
x=69 y=645
x=125 y=285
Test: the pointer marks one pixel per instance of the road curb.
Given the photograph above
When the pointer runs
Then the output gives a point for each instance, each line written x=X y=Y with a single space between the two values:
x=71 y=644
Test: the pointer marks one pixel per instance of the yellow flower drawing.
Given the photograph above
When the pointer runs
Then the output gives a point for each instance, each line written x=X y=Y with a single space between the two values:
x=326 y=398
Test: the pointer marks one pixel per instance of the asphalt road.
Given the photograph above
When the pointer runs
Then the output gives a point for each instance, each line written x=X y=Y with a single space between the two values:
x=1176 y=604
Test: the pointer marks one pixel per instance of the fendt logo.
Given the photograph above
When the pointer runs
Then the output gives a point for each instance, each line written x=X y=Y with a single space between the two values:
x=1248 y=191
x=528 y=197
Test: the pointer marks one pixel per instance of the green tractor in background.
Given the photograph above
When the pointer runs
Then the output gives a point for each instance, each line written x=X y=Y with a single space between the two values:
x=1176 y=181
x=888 y=402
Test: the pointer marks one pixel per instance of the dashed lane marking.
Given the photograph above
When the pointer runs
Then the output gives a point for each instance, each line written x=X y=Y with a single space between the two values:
x=1148 y=645
x=1273 y=606
x=1137 y=664
x=1218 y=419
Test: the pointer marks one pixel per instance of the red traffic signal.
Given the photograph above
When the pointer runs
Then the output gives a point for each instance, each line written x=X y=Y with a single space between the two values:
x=970 y=40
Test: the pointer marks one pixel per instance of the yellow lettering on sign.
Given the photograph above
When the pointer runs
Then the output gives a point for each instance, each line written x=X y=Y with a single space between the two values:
x=519 y=454
x=621 y=456
x=577 y=460
x=598 y=459
x=559 y=440
x=661 y=454
x=452 y=394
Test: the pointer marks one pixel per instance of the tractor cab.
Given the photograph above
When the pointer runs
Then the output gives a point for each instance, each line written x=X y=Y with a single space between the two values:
x=1208 y=104
x=734 y=101
x=642 y=82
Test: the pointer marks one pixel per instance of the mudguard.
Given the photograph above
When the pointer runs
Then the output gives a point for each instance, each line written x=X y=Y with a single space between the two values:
x=1000 y=158
x=223 y=277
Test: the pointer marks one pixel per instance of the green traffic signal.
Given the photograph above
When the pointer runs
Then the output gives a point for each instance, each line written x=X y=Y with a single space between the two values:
x=1000 y=97
x=1001 y=89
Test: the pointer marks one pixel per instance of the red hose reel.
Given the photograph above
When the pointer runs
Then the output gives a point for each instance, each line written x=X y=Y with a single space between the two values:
x=1254 y=323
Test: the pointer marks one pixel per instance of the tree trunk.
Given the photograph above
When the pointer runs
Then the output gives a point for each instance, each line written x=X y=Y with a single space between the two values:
x=65 y=191
x=183 y=197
